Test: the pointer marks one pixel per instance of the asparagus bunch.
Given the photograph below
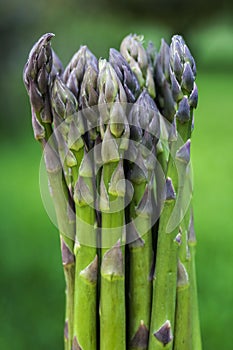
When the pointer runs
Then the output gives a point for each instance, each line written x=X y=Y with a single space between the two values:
x=108 y=129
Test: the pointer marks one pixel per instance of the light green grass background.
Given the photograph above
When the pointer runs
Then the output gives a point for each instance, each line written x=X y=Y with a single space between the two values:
x=31 y=276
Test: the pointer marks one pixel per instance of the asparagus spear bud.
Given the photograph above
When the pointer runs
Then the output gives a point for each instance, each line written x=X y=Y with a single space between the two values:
x=37 y=78
x=151 y=53
x=144 y=119
x=89 y=100
x=135 y=54
x=74 y=72
x=182 y=77
x=57 y=68
x=164 y=97
x=125 y=74
x=69 y=128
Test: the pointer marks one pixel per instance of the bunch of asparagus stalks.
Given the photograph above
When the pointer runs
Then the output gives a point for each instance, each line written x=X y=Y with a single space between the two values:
x=116 y=143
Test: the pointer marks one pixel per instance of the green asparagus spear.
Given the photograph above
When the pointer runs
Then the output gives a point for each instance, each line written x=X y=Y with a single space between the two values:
x=37 y=77
x=115 y=133
x=69 y=131
x=144 y=120
x=181 y=66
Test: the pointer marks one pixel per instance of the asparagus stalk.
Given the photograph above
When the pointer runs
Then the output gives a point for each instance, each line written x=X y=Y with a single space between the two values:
x=144 y=121
x=115 y=133
x=182 y=75
x=194 y=314
x=70 y=138
x=85 y=325
x=133 y=51
x=37 y=72
x=112 y=300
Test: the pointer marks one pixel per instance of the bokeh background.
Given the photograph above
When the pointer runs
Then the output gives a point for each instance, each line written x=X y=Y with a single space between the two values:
x=31 y=276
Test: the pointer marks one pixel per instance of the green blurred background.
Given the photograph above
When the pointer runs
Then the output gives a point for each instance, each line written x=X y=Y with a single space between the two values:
x=31 y=277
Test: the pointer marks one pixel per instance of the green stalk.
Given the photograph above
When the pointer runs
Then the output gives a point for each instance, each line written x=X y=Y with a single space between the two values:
x=69 y=272
x=144 y=120
x=112 y=292
x=86 y=259
x=183 y=335
x=140 y=263
x=165 y=280
x=112 y=300
x=114 y=133
x=60 y=196
x=111 y=219
x=194 y=311
x=177 y=97
x=164 y=284
x=183 y=328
